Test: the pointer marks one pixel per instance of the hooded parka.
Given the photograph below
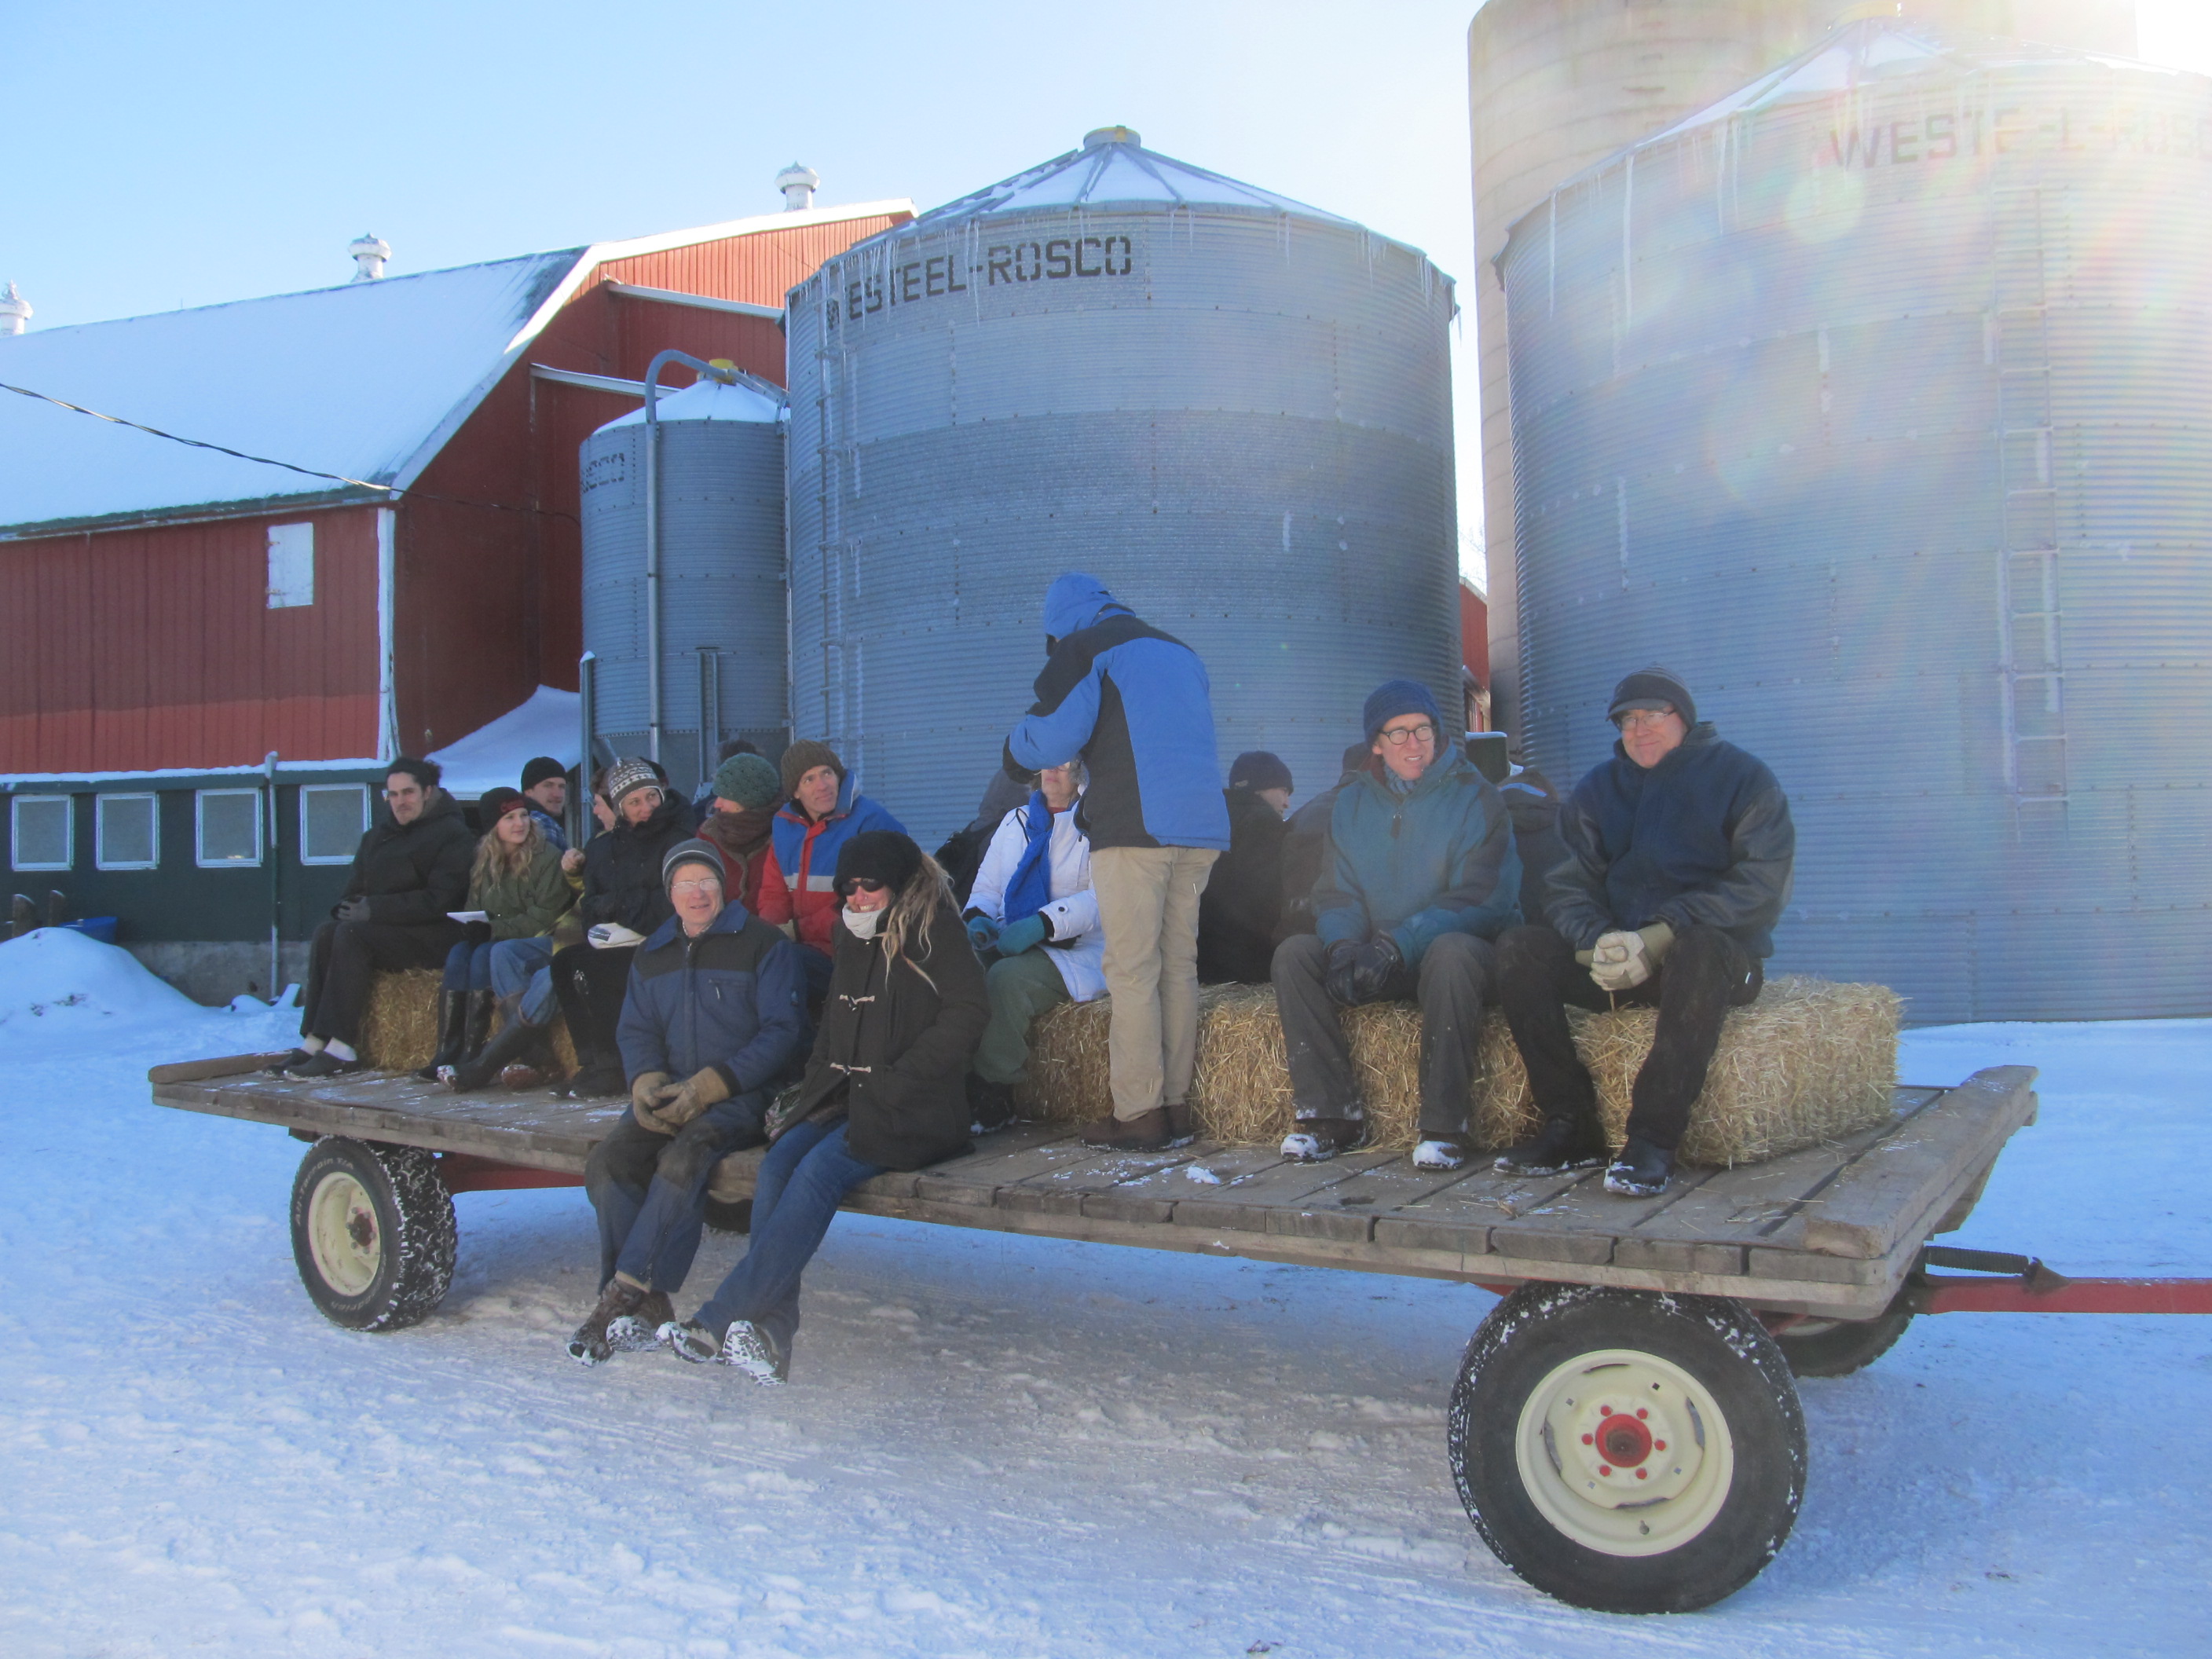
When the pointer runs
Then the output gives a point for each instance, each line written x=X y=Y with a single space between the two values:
x=622 y=868
x=412 y=874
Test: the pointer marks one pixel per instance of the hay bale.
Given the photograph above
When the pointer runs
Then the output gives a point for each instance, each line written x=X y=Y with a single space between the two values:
x=1809 y=1061
x=399 y=1027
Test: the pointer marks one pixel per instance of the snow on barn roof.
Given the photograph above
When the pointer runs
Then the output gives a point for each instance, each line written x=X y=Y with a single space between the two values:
x=368 y=379
x=549 y=722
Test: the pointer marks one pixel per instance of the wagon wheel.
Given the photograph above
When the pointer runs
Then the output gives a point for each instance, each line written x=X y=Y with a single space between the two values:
x=1624 y=1451
x=1837 y=1347
x=373 y=1232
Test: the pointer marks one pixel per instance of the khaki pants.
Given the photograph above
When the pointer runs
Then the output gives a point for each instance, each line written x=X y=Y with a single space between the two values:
x=1148 y=909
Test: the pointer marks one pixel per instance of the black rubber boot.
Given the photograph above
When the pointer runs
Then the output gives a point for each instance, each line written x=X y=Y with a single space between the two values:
x=452 y=1007
x=477 y=1024
x=513 y=1041
x=1642 y=1171
x=1562 y=1144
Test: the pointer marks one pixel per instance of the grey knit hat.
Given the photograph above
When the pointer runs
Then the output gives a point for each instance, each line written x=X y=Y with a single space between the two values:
x=628 y=775
x=693 y=851
x=1653 y=687
x=748 y=780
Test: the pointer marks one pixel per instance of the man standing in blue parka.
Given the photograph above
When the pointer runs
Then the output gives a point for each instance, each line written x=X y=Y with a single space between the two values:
x=1136 y=705
x=1424 y=877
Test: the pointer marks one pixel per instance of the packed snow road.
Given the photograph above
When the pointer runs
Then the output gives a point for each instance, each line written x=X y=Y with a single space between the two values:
x=994 y=1445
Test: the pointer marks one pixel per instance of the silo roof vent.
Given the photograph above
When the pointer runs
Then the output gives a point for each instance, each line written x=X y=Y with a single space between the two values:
x=798 y=184
x=1113 y=166
x=369 y=253
x=1098 y=135
x=15 y=312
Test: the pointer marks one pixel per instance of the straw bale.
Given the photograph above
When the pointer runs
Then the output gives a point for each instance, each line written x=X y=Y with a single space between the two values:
x=1809 y=1061
x=399 y=1027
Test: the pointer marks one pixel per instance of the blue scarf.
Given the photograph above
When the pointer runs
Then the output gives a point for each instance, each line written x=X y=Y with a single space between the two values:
x=1029 y=889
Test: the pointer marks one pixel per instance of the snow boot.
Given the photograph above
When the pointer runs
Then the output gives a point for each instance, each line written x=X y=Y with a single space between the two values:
x=1182 y=1128
x=990 y=1105
x=1562 y=1144
x=633 y=1333
x=1146 y=1132
x=453 y=1012
x=514 y=1040
x=1316 y=1140
x=590 y=1346
x=1442 y=1153
x=1642 y=1171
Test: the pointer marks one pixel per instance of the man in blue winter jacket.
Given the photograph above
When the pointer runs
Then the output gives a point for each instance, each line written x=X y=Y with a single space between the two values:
x=710 y=1024
x=1424 y=877
x=1680 y=849
x=1136 y=705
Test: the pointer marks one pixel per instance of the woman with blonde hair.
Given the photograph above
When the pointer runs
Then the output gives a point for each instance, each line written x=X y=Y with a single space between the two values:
x=886 y=1089
x=518 y=890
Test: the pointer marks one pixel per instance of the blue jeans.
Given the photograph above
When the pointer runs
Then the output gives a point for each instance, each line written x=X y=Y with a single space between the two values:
x=650 y=1190
x=468 y=967
x=520 y=966
x=801 y=1179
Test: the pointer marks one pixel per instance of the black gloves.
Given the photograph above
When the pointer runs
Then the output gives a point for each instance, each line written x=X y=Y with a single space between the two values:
x=1362 y=972
x=355 y=908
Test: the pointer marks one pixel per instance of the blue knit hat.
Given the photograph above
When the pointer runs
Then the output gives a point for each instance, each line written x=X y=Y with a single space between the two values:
x=1395 y=697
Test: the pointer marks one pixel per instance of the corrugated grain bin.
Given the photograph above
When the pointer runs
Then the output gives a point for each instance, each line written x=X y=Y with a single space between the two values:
x=1874 y=401
x=1232 y=408
x=722 y=643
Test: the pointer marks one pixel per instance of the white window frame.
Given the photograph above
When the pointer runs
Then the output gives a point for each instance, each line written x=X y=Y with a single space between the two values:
x=69 y=831
x=200 y=798
x=100 y=804
x=291 y=565
x=361 y=791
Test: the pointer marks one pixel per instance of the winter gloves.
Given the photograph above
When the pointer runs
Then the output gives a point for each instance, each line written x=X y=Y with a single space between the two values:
x=1361 y=971
x=703 y=1088
x=1622 y=961
x=352 y=908
x=1017 y=937
x=648 y=1095
x=982 y=932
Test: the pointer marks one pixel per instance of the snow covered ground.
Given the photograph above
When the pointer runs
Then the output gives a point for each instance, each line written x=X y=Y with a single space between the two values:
x=993 y=1445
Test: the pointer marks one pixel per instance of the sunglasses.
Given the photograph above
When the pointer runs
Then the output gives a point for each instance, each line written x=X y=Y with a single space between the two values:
x=863 y=885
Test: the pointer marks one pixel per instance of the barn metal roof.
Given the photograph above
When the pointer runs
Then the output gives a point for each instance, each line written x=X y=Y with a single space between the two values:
x=367 y=380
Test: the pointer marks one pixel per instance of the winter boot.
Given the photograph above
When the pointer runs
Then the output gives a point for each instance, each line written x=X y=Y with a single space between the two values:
x=476 y=1023
x=745 y=1344
x=1182 y=1128
x=1642 y=1171
x=1442 y=1153
x=1562 y=1144
x=452 y=1007
x=1316 y=1140
x=535 y=1068
x=590 y=1346
x=990 y=1105
x=514 y=1040
x=1146 y=1132
x=633 y=1333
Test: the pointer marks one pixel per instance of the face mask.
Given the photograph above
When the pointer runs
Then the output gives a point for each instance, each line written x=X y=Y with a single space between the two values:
x=861 y=924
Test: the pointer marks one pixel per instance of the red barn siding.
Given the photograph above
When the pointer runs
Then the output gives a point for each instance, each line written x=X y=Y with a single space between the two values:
x=760 y=267
x=135 y=649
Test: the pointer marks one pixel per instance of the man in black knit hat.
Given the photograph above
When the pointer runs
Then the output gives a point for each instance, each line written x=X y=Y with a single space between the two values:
x=1680 y=849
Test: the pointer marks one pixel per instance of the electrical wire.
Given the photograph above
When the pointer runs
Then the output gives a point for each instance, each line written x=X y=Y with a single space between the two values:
x=393 y=490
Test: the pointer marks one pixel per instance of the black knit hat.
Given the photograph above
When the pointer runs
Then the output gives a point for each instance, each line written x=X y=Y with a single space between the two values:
x=1653 y=687
x=1256 y=768
x=495 y=803
x=878 y=855
x=538 y=770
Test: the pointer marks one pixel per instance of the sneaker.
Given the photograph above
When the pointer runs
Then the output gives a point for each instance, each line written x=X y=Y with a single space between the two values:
x=1561 y=1145
x=1440 y=1153
x=325 y=1064
x=1182 y=1128
x=1147 y=1134
x=1642 y=1171
x=691 y=1341
x=589 y=1345
x=633 y=1333
x=1316 y=1140
x=753 y=1351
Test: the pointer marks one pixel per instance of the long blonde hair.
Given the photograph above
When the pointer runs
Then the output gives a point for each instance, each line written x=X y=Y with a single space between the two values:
x=908 y=920
x=496 y=856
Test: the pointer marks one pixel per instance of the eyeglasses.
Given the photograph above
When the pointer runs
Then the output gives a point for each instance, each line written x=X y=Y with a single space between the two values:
x=862 y=884
x=1637 y=719
x=1399 y=735
x=702 y=884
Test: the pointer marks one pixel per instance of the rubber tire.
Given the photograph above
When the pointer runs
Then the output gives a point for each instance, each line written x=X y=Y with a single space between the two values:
x=1724 y=1346
x=735 y=1216
x=1837 y=1347
x=414 y=1228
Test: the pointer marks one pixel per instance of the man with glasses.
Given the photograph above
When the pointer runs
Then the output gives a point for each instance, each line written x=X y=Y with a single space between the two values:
x=1679 y=854
x=710 y=1024
x=1424 y=877
x=411 y=868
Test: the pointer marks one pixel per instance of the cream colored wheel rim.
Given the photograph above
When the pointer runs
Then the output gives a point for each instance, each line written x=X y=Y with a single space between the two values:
x=343 y=1234
x=1625 y=1453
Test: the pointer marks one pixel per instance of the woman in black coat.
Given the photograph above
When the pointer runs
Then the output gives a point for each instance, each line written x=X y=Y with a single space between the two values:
x=886 y=1089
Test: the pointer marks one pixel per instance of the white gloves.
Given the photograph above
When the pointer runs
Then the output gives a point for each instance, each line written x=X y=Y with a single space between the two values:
x=1622 y=961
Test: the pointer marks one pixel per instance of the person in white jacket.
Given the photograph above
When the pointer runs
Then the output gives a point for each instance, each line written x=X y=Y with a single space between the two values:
x=1034 y=920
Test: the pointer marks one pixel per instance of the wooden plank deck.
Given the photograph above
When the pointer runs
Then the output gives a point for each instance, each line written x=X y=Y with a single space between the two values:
x=1830 y=1231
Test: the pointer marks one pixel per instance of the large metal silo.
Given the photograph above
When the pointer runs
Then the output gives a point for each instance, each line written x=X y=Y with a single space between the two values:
x=1231 y=407
x=1874 y=400
x=722 y=615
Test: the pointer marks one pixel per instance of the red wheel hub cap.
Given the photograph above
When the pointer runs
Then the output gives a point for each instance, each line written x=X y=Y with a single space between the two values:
x=1624 y=1441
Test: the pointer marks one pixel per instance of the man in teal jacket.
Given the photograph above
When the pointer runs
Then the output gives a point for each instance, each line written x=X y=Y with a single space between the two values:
x=1424 y=878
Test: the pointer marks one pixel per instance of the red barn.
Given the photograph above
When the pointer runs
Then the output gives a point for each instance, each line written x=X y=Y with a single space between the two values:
x=171 y=615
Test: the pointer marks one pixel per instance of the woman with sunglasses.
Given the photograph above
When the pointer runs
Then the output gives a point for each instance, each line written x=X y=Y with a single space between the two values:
x=884 y=1088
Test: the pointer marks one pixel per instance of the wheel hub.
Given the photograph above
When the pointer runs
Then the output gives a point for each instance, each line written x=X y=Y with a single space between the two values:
x=342 y=1234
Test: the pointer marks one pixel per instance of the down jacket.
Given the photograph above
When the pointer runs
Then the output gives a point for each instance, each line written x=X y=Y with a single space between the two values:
x=412 y=874
x=1136 y=704
x=731 y=999
x=1702 y=839
x=900 y=1044
x=1437 y=860
x=1078 y=945
x=795 y=881
x=622 y=868
x=524 y=903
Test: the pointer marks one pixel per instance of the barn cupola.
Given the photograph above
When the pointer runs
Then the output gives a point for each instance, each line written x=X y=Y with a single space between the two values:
x=798 y=184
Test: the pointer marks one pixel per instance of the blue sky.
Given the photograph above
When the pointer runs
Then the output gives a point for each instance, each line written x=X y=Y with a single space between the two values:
x=163 y=155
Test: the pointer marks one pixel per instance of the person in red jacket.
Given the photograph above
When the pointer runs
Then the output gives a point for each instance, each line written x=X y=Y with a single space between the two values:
x=739 y=823
x=797 y=889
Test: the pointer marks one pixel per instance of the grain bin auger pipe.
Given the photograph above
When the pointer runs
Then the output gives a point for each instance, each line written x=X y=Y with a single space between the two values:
x=707 y=371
